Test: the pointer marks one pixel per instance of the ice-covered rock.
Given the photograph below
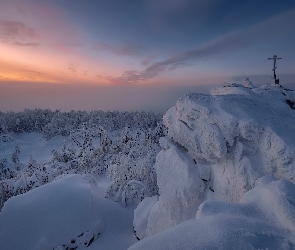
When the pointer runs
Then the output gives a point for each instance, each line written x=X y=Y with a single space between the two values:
x=265 y=219
x=218 y=146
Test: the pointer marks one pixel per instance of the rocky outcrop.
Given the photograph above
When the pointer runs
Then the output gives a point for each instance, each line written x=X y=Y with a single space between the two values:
x=218 y=146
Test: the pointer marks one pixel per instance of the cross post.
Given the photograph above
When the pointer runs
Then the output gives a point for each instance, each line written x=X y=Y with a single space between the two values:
x=274 y=58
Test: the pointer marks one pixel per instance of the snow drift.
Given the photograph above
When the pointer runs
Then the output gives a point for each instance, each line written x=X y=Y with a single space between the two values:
x=70 y=213
x=219 y=146
x=57 y=214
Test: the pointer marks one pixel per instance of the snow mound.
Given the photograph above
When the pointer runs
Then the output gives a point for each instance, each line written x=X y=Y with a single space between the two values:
x=58 y=214
x=264 y=220
x=218 y=146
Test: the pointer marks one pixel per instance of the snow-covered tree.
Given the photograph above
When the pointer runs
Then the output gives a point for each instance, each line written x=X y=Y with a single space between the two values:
x=15 y=155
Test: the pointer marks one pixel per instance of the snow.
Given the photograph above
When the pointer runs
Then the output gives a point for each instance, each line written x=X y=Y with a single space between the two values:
x=141 y=215
x=49 y=216
x=225 y=180
x=180 y=189
x=69 y=212
x=31 y=144
x=270 y=92
x=264 y=220
x=218 y=146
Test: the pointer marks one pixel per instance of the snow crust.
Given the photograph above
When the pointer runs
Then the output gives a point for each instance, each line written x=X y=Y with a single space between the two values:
x=218 y=146
x=263 y=220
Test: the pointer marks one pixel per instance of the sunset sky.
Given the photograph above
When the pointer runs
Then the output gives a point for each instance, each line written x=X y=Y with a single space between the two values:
x=137 y=54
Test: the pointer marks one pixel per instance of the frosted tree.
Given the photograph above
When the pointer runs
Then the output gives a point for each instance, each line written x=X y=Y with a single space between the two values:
x=65 y=155
x=83 y=139
x=6 y=171
x=6 y=191
x=15 y=155
x=128 y=157
x=132 y=171
x=106 y=142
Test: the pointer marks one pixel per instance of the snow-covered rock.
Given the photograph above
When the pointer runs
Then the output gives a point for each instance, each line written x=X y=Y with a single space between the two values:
x=276 y=94
x=271 y=92
x=265 y=219
x=218 y=146
x=180 y=187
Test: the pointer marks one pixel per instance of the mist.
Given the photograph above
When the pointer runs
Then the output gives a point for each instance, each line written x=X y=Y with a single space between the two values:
x=17 y=96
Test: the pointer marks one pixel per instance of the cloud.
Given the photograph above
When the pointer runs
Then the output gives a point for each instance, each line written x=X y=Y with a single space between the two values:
x=12 y=29
x=20 y=9
x=122 y=50
x=25 y=44
x=177 y=17
x=228 y=43
x=28 y=70
x=148 y=60
x=72 y=44
x=73 y=67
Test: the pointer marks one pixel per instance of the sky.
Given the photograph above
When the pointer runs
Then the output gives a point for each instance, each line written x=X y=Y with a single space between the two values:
x=137 y=54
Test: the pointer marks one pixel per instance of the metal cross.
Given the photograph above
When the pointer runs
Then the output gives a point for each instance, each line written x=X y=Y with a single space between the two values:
x=274 y=58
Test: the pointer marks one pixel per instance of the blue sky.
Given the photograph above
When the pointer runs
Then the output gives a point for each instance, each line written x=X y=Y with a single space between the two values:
x=181 y=43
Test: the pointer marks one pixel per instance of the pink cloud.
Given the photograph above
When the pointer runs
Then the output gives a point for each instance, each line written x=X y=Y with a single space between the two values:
x=26 y=44
x=10 y=29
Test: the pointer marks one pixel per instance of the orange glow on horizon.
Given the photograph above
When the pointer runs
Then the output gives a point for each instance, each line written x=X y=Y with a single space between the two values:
x=47 y=65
